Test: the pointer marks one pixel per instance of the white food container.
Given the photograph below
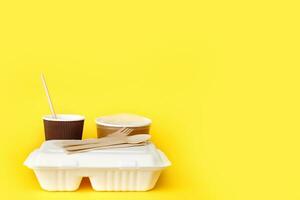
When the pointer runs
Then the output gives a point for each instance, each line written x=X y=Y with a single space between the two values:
x=123 y=169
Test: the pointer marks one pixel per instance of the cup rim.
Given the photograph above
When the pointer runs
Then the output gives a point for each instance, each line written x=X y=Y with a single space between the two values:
x=64 y=117
x=143 y=121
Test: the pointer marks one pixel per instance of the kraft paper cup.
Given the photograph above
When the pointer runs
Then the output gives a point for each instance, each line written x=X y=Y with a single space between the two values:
x=109 y=124
x=64 y=127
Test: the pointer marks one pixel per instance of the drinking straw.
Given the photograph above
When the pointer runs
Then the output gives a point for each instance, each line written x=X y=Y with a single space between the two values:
x=48 y=96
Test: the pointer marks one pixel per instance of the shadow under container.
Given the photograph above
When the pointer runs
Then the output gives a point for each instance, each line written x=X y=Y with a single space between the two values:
x=110 y=124
x=63 y=127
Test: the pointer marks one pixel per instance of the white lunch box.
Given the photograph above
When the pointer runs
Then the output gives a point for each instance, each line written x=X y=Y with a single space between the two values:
x=123 y=169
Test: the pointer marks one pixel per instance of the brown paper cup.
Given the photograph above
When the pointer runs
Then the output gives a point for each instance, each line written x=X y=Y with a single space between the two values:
x=65 y=127
x=109 y=124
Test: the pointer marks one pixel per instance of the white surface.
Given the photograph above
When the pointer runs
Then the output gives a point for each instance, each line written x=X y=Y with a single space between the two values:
x=124 y=169
x=64 y=117
x=123 y=120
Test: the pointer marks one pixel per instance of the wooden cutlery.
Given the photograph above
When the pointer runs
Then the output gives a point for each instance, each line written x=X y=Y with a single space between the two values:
x=106 y=147
x=118 y=139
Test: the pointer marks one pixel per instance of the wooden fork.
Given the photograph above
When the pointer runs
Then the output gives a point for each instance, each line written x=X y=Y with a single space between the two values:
x=123 y=131
x=119 y=133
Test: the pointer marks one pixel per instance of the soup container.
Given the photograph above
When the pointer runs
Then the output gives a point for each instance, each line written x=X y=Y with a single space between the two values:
x=122 y=169
x=64 y=126
x=109 y=124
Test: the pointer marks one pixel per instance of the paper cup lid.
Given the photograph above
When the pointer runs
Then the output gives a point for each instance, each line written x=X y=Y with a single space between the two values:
x=123 y=120
x=64 y=117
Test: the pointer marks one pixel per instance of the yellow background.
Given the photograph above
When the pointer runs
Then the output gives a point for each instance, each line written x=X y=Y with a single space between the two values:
x=220 y=79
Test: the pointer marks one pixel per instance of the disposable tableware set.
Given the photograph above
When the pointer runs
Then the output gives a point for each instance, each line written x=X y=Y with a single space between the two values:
x=121 y=158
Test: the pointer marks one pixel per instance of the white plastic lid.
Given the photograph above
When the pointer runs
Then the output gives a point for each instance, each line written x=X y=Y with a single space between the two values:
x=51 y=155
x=64 y=117
x=123 y=120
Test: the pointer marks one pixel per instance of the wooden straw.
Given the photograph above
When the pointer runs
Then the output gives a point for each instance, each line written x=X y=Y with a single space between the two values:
x=48 y=96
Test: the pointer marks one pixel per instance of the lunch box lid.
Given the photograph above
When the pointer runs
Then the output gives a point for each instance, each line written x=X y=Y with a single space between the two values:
x=51 y=155
x=123 y=120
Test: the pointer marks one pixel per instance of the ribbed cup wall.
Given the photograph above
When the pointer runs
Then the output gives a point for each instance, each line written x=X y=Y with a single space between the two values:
x=63 y=130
